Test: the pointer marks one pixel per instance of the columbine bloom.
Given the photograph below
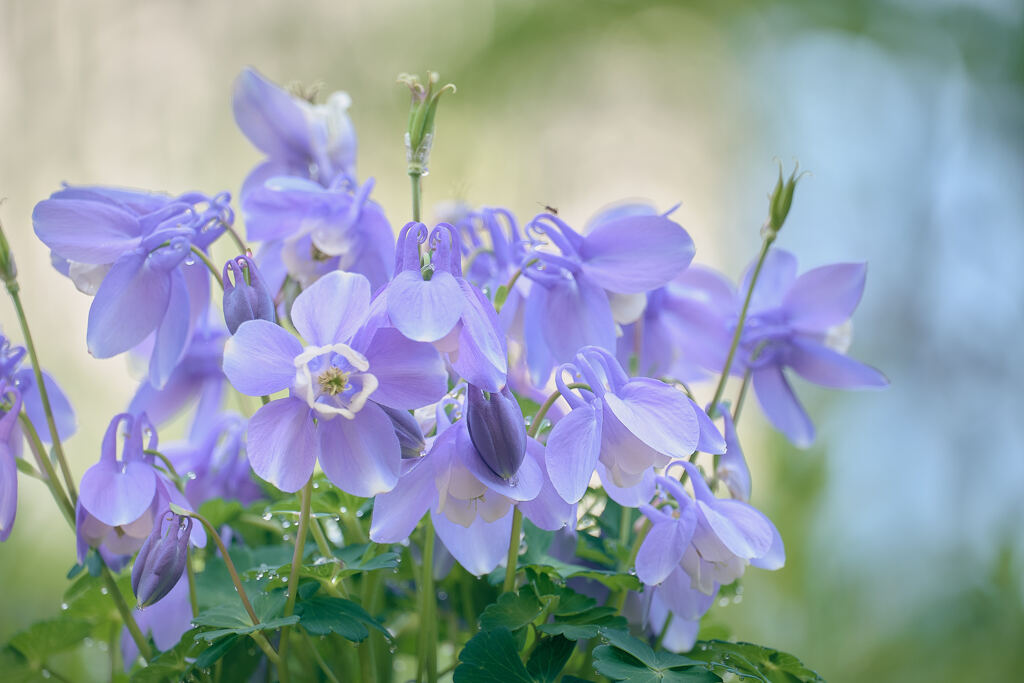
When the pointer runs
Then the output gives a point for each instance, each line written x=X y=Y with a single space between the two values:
x=497 y=429
x=709 y=539
x=622 y=256
x=10 y=449
x=161 y=560
x=299 y=138
x=445 y=309
x=629 y=424
x=24 y=381
x=121 y=498
x=470 y=505
x=794 y=322
x=132 y=250
x=335 y=384
x=245 y=293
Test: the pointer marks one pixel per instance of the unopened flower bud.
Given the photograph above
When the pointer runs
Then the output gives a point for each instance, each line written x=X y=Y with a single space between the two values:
x=161 y=561
x=419 y=135
x=245 y=294
x=497 y=429
x=781 y=199
x=407 y=429
x=8 y=270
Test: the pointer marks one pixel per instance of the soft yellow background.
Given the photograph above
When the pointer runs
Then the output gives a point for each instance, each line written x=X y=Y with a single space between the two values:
x=903 y=523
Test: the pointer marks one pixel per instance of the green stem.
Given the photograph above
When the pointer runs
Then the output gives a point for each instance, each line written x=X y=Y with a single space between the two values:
x=193 y=600
x=170 y=467
x=212 y=533
x=664 y=630
x=320 y=661
x=126 y=614
x=293 y=576
x=430 y=603
x=44 y=396
x=513 y=552
x=546 y=406
x=765 y=246
x=617 y=600
x=209 y=264
x=416 y=192
x=741 y=397
x=36 y=446
x=242 y=249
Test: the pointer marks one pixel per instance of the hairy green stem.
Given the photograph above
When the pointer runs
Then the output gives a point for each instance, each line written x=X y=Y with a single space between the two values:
x=58 y=448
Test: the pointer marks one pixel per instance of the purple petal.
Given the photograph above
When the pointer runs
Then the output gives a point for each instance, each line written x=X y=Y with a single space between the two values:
x=8 y=491
x=86 y=231
x=411 y=374
x=171 y=493
x=525 y=484
x=742 y=529
x=361 y=456
x=282 y=443
x=547 y=510
x=777 y=275
x=636 y=253
x=424 y=310
x=682 y=598
x=63 y=413
x=711 y=440
x=572 y=451
x=482 y=356
x=631 y=496
x=822 y=365
x=172 y=334
x=663 y=548
x=732 y=467
x=117 y=493
x=271 y=118
x=781 y=406
x=397 y=512
x=825 y=296
x=481 y=547
x=775 y=558
x=660 y=416
x=332 y=308
x=128 y=306
x=576 y=313
x=260 y=358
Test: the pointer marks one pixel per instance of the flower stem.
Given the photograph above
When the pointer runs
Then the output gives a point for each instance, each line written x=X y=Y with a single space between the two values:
x=50 y=475
x=126 y=614
x=242 y=249
x=320 y=660
x=193 y=600
x=416 y=192
x=12 y=289
x=743 y=395
x=546 y=406
x=765 y=246
x=513 y=552
x=429 y=654
x=293 y=576
x=209 y=264
x=617 y=600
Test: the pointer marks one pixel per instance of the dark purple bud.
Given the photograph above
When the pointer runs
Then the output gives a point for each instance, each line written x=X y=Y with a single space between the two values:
x=497 y=429
x=161 y=561
x=245 y=294
x=410 y=436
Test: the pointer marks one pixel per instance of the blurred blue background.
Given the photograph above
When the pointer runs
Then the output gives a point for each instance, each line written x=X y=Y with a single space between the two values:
x=904 y=521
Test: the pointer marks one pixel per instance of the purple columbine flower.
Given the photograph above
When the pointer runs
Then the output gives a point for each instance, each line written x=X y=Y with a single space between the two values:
x=801 y=323
x=331 y=413
x=121 y=498
x=245 y=293
x=628 y=424
x=497 y=429
x=622 y=256
x=470 y=505
x=161 y=560
x=10 y=450
x=710 y=539
x=24 y=381
x=299 y=138
x=308 y=231
x=732 y=467
x=132 y=250
x=444 y=309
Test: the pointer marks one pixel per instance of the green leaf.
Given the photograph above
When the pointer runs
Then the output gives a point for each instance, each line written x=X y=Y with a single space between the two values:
x=170 y=665
x=630 y=659
x=212 y=654
x=44 y=638
x=491 y=656
x=549 y=658
x=220 y=512
x=232 y=618
x=15 y=668
x=511 y=611
x=321 y=615
x=756 y=662
x=585 y=625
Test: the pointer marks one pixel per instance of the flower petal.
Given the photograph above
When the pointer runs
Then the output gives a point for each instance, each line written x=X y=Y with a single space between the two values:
x=117 y=493
x=282 y=443
x=663 y=548
x=424 y=310
x=271 y=118
x=86 y=231
x=332 y=308
x=660 y=416
x=776 y=277
x=480 y=547
x=825 y=296
x=172 y=334
x=411 y=374
x=397 y=512
x=361 y=456
x=636 y=253
x=572 y=451
x=631 y=496
x=32 y=401
x=742 y=529
x=128 y=306
x=547 y=510
x=524 y=484
x=781 y=406
x=260 y=358
x=483 y=356
x=822 y=365
x=8 y=491
x=576 y=313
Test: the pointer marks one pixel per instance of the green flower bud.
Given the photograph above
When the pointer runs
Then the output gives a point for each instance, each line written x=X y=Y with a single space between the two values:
x=419 y=135
x=781 y=199
x=8 y=270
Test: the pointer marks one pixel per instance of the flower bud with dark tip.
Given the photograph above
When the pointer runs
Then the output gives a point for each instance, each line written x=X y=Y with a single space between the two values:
x=407 y=429
x=497 y=429
x=245 y=294
x=161 y=561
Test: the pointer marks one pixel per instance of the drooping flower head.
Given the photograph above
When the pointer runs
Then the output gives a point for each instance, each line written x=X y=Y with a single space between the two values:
x=161 y=560
x=336 y=385
x=132 y=250
x=245 y=293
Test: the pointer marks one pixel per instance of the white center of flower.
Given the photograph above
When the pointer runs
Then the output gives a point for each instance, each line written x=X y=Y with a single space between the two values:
x=333 y=380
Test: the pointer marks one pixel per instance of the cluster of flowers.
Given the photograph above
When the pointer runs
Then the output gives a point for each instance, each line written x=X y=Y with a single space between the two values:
x=402 y=368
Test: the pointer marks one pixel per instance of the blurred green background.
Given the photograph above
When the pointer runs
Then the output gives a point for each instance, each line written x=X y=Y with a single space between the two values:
x=904 y=522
